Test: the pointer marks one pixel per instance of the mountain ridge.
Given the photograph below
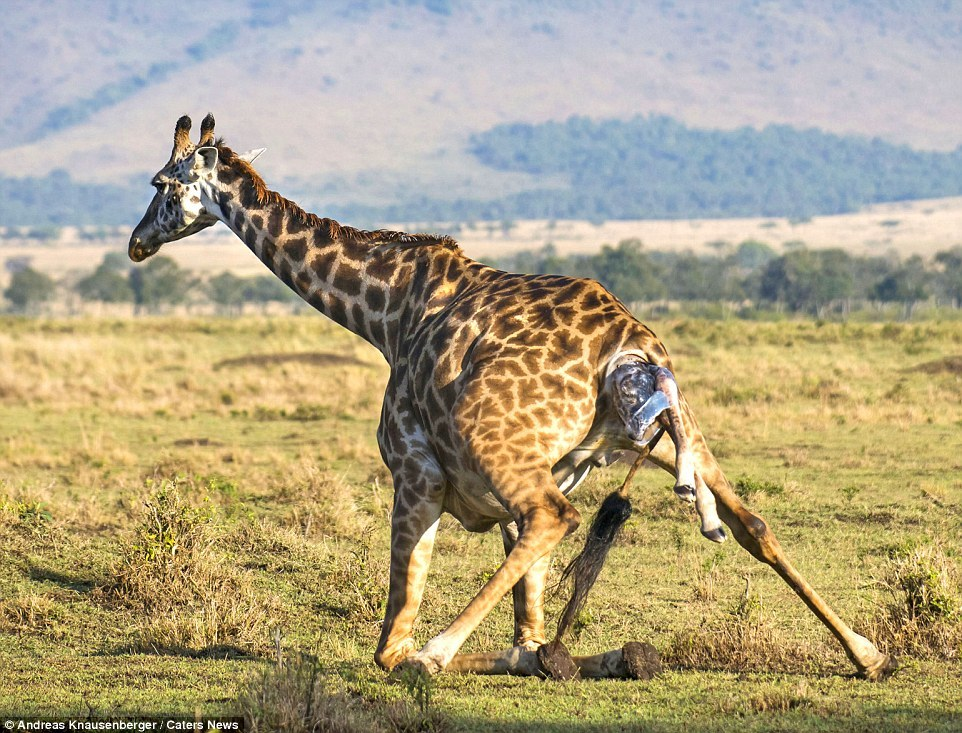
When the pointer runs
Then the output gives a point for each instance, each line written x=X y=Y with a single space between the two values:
x=372 y=102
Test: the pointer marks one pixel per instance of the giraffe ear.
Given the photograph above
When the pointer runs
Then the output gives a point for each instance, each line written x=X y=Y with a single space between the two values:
x=205 y=161
x=251 y=155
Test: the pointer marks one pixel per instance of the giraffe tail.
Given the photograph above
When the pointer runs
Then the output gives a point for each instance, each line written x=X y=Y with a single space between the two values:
x=586 y=567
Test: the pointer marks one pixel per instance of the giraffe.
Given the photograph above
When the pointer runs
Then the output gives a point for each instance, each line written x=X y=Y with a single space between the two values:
x=504 y=391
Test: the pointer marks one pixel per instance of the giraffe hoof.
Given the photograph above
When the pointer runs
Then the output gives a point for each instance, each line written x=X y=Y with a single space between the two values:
x=715 y=535
x=414 y=669
x=556 y=662
x=642 y=660
x=885 y=666
x=685 y=493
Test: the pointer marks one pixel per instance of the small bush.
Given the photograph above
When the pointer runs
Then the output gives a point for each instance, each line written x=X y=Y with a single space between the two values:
x=321 y=504
x=193 y=600
x=297 y=695
x=28 y=614
x=162 y=565
x=742 y=640
x=922 y=609
x=359 y=586
x=29 y=516
x=747 y=487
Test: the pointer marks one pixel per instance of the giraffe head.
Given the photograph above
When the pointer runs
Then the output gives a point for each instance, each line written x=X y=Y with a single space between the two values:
x=178 y=208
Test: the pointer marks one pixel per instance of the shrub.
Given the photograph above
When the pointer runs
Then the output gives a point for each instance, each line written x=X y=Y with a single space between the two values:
x=922 y=609
x=297 y=695
x=28 y=613
x=748 y=486
x=193 y=600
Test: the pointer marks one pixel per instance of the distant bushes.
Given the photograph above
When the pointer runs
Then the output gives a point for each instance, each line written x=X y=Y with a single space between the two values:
x=153 y=287
x=752 y=275
x=749 y=280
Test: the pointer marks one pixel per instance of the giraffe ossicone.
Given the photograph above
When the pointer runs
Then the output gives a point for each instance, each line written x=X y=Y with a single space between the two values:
x=496 y=405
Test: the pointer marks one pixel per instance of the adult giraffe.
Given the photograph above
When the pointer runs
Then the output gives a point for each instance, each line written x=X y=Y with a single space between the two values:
x=505 y=389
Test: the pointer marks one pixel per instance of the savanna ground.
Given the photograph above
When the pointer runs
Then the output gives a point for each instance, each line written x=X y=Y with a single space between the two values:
x=195 y=520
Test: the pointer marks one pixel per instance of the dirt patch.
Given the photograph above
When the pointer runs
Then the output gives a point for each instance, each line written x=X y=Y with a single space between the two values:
x=945 y=365
x=185 y=442
x=313 y=358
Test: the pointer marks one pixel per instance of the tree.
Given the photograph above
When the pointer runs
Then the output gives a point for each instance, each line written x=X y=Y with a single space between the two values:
x=28 y=289
x=752 y=255
x=807 y=280
x=108 y=283
x=228 y=291
x=628 y=272
x=949 y=280
x=906 y=284
x=160 y=282
x=268 y=289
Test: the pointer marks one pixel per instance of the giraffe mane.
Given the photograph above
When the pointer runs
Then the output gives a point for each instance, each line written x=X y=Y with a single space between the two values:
x=334 y=230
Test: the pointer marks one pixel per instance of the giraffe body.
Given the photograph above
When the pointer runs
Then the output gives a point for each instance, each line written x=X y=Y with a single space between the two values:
x=505 y=390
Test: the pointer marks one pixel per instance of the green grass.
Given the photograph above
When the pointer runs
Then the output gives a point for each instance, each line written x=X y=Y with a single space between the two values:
x=273 y=506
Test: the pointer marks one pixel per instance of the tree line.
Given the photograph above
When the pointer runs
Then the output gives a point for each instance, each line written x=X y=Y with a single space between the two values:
x=656 y=167
x=748 y=279
x=155 y=286
x=752 y=276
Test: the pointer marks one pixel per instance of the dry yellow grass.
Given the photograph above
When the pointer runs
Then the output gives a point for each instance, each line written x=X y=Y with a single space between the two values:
x=841 y=435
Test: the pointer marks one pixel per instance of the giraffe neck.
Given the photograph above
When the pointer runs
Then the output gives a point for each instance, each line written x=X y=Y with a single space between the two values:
x=378 y=285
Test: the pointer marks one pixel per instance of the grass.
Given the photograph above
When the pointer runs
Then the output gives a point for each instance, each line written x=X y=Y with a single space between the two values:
x=193 y=518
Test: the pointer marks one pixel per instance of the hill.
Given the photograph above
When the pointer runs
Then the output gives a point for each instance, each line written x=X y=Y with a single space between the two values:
x=656 y=168
x=370 y=103
x=645 y=168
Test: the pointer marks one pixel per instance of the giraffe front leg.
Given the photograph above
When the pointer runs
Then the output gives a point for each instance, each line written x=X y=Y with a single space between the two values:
x=545 y=516
x=527 y=595
x=414 y=525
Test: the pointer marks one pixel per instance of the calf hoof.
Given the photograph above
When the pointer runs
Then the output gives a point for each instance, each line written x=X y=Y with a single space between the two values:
x=556 y=661
x=641 y=660
x=715 y=535
x=685 y=493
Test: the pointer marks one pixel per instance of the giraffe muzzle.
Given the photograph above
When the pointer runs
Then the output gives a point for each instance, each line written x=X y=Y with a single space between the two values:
x=138 y=251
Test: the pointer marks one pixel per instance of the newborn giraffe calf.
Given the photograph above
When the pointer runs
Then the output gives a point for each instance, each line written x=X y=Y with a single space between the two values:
x=641 y=393
x=505 y=389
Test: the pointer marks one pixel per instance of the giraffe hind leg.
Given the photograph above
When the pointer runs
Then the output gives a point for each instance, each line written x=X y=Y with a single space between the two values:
x=752 y=533
x=527 y=595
